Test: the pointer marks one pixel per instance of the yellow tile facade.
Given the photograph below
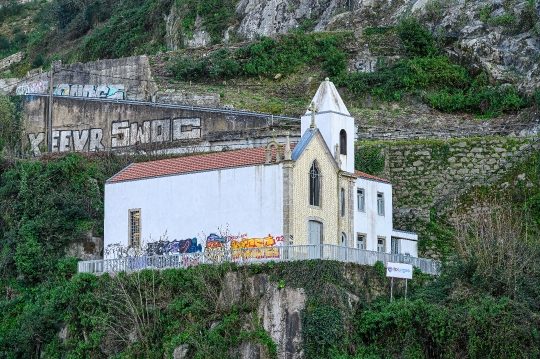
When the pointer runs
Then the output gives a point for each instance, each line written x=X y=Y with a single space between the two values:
x=329 y=213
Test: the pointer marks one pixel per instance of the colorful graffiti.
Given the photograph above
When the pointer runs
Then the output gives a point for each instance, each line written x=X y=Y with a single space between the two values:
x=247 y=248
x=102 y=91
x=31 y=87
x=172 y=247
x=215 y=248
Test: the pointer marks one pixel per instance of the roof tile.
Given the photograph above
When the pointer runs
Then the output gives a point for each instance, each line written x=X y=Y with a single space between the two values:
x=368 y=176
x=195 y=163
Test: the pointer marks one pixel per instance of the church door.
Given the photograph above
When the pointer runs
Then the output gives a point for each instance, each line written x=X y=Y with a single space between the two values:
x=315 y=238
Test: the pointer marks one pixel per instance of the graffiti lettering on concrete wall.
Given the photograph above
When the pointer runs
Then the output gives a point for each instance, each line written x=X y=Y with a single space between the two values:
x=246 y=248
x=67 y=140
x=116 y=92
x=172 y=247
x=32 y=87
x=365 y=65
x=123 y=134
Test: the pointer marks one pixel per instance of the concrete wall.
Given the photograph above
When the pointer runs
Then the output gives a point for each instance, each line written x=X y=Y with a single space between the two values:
x=126 y=78
x=246 y=200
x=82 y=125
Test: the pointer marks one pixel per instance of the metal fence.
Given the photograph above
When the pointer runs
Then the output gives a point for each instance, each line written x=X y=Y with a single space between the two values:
x=257 y=255
x=518 y=129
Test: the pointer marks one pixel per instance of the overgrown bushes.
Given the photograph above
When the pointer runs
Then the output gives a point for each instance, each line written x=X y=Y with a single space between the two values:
x=267 y=57
x=430 y=76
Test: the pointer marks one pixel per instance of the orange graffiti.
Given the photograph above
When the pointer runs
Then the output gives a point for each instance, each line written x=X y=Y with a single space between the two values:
x=249 y=248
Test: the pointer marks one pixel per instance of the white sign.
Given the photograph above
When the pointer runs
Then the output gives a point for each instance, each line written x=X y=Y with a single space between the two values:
x=399 y=270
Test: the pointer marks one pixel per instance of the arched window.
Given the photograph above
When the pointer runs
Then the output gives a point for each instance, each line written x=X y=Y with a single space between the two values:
x=314 y=185
x=342 y=202
x=343 y=142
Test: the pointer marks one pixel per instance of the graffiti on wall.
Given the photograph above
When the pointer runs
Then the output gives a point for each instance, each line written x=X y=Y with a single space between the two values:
x=122 y=134
x=173 y=247
x=365 y=65
x=258 y=248
x=32 y=87
x=64 y=141
x=116 y=92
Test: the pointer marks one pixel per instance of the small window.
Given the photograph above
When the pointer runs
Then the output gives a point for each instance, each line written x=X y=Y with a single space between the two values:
x=343 y=239
x=361 y=199
x=342 y=202
x=380 y=244
x=380 y=204
x=134 y=228
x=343 y=142
x=394 y=245
x=361 y=241
x=314 y=186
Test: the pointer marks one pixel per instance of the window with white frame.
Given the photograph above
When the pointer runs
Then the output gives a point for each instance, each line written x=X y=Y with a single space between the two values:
x=134 y=227
x=361 y=241
x=380 y=203
x=380 y=244
x=361 y=199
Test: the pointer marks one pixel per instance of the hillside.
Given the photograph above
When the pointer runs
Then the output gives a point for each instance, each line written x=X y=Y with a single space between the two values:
x=444 y=65
x=455 y=74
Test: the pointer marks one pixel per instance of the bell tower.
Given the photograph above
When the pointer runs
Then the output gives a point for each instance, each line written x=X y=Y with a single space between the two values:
x=328 y=113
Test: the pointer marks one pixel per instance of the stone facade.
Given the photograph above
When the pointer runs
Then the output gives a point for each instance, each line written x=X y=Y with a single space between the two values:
x=424 y=171
x=328 y=212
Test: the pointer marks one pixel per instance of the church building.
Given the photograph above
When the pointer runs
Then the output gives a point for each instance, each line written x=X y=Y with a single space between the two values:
x=279 y=195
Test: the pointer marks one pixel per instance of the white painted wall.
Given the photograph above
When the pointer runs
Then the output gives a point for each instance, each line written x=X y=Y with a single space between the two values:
x=370 y=222
x=330 y=125
x=248 y=199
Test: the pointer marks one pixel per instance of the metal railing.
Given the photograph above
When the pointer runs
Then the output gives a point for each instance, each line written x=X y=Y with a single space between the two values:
x=256 y=255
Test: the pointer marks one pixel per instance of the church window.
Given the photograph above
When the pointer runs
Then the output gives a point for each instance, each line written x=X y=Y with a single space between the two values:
x=343 y=142
x=342 y=202
x=314 y=185
x=134 y=227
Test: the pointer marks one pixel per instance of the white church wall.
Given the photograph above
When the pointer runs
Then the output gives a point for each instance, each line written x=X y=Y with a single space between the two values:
x=247 y=199
x=369 y=222
x=330 y=125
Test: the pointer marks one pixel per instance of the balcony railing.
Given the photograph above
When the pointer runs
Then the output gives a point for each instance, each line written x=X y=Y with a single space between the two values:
x=256 y=255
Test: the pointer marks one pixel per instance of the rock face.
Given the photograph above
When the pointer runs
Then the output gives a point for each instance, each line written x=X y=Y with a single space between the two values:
x=279 y=311
x=278 y=16
x=498 y=37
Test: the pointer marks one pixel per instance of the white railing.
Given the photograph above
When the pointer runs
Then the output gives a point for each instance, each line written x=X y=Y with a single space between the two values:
x=256 y=255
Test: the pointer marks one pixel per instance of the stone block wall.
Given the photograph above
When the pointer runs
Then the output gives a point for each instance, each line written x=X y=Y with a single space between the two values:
x=422 y=172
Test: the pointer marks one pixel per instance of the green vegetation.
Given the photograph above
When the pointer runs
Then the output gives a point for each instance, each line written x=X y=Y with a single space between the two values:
x=369 y=159
x=267 y=57
x=470 y=311
x=427 y=74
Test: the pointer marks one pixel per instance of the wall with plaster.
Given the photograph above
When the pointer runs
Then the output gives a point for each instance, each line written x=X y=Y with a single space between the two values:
x=246 y=200
x=368 y=221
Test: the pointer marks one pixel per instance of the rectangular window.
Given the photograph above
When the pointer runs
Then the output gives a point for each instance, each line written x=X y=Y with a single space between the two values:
x=134 y=227
x=361 y=199
x=380 y=204
x=394 y=245
x=361 y=241
x=380 y=244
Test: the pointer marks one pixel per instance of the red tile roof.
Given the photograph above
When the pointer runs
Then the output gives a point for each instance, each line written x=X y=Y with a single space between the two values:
x=368 y=176
x=195 y=163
